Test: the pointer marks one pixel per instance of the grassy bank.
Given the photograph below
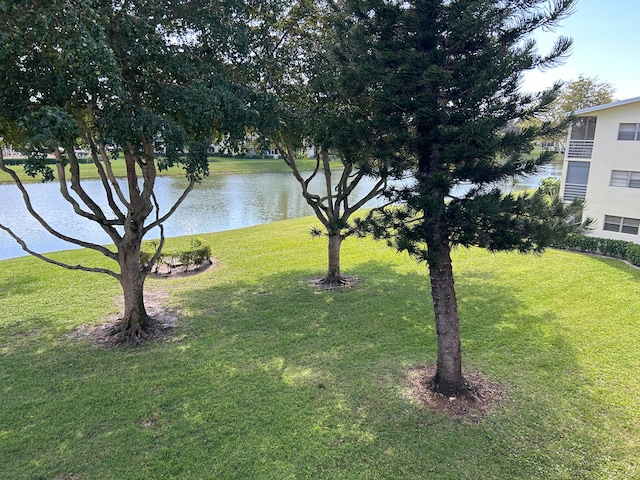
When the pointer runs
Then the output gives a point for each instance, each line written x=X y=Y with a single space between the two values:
x=217 y=165
x=267 y=378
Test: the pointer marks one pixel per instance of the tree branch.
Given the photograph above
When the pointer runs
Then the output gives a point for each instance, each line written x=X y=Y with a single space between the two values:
x=62 y=181
x=112 y=178
x=289 y=158
x=27 y=201
x=24 y=247
x=76 y=186
x=373 y=193
x=158 y=251
x=314 y=201
x=160 y=220
x=327 y=180
x=101 y=171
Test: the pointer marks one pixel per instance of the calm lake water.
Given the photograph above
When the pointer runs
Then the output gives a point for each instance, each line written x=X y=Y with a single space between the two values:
x=220 y=202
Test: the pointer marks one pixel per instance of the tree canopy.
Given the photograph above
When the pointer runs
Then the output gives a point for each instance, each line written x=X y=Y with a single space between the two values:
x=443 y=80
x=574 y=95
x=150 y=81
x=584 y=92
x=297 y=70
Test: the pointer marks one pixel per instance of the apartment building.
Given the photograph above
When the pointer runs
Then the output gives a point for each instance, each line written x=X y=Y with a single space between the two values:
x=602 y=167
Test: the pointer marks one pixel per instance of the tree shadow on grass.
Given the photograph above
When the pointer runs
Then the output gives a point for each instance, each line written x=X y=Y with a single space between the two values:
x=12 y=285
x=337 y=358
x=276 y=379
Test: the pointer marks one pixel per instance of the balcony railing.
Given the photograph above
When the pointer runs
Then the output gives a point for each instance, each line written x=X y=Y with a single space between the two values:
x=580 y=148
x=573 y=191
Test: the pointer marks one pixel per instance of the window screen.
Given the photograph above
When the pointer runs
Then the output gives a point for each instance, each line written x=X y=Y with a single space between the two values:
x=624 y=178
x=628 y=131
x=578 y=173
x=621 y=224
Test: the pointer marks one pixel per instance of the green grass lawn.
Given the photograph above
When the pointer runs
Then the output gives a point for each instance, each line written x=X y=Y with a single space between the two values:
x=217 y=165
x=268 y=378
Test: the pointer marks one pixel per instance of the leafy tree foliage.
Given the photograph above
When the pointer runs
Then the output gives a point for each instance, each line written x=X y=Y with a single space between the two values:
x=442 y=81
x=126 y=78
x=577 y=94
x=584 y=92
x=296 y=65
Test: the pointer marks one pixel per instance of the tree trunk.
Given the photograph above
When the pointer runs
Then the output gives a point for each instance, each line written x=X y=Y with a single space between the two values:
x=334 y=277
x=135 y=323
x=448 y=379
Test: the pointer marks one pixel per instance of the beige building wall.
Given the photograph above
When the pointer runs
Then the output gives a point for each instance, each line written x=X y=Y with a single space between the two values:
x=609 y=154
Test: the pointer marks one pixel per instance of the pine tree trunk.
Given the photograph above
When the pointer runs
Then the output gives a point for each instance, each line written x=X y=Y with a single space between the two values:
x=334 y=277
x=448 y=379
x=135 y=323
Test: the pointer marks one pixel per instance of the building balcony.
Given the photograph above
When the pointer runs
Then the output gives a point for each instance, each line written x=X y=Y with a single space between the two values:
x=580 y=149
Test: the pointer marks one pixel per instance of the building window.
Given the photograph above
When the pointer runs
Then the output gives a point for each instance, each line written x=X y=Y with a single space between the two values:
x=624 y=178
x=629 y=131
x=621 y=224
x=576 y=181
x=584 y=128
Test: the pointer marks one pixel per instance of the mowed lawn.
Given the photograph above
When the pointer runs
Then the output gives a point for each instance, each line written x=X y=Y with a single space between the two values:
x=266 y=377
x=217 y=165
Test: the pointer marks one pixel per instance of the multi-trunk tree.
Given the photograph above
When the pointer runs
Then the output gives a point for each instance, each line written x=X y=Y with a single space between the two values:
x=125 y=80
x=295 y=69
x=443 y=79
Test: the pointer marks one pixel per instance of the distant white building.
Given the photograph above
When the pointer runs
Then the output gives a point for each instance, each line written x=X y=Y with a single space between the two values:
x=254 y=148
x=602 y=166
x=11 y=153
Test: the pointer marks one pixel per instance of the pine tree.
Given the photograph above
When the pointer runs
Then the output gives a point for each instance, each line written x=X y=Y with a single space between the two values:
x=443 y=78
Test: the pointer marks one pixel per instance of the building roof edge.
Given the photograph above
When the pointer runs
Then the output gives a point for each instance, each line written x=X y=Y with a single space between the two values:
x=605 y=106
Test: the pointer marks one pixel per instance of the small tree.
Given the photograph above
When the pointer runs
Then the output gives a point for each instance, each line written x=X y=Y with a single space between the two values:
x=126 y=79
x=295 y=64
x=444 y=82
x=550 y=186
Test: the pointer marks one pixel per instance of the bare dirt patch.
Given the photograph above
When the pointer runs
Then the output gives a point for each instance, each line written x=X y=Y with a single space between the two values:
x=483 y=394
x=164 y=320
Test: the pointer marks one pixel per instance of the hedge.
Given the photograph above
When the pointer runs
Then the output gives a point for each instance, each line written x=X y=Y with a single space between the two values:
x=192 y=255
x=603 y=246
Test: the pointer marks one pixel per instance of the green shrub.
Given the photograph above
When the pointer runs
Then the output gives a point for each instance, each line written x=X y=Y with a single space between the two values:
x=147 y=251
x=603 y=246
x=550 y=186
x=195 y=254
x=633 y=254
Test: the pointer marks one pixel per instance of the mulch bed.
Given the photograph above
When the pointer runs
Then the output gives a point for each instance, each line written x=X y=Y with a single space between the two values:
x=163 y=271
x=483 y=395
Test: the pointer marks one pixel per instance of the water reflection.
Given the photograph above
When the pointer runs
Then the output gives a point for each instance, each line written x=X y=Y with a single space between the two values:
x=220 y=202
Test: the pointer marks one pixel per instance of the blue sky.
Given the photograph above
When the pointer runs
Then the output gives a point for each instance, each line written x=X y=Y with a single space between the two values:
x=606 y=39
